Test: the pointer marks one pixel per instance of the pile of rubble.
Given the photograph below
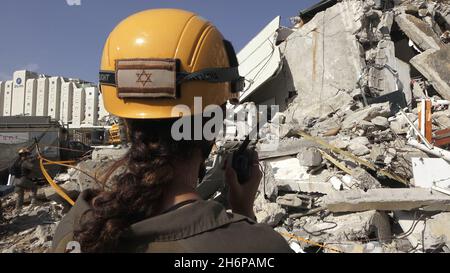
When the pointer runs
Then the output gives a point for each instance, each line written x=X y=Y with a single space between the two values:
x=362 y=165
x=31 y=230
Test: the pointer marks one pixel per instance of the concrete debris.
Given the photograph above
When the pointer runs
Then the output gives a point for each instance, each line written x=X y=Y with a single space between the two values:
x=366 y=114
x=381 y=122
x=267 y=212
x=418 y=31
x=295 y=201
x=31 y=230
x=358 y=149
x=364 y=180
x=310 y=157
x=350 y=227
x=434 y=65
x=426 y=233
x=387 y=200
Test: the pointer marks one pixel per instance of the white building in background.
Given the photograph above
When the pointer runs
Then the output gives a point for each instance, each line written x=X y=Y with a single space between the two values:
x=2 y=92
x=30 y=97
x=72 y=102
x=66 y=102
x=79 y=102
x=7 y=98
x=20 y=79
x=42 y=97
x=54 y=97
x=91 y=106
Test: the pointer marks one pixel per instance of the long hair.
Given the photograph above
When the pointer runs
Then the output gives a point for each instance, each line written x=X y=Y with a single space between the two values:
x=135 y=193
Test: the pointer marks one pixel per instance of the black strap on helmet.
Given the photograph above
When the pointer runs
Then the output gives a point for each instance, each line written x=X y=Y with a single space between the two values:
x=212 y=75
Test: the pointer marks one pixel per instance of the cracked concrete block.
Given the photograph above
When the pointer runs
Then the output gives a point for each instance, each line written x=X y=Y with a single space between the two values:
x=340 y=143
x=432 y=236
x=364 y=180
x=295 y=201
x=368 y=113
x=381 y=122
x=442 y=119
x=302 y=110
x=418 y=31
x=387 y=200
x=325 y=56
x=349 y=227
x=400 y=125
x=309 y=157
x=435 y=66
x=383 y=79
x=358 y=149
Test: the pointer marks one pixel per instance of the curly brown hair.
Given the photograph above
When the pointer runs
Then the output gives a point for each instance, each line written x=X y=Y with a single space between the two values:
x=136 y=192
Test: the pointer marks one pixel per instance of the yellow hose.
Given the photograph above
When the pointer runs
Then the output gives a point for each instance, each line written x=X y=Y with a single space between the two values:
x=57 y=188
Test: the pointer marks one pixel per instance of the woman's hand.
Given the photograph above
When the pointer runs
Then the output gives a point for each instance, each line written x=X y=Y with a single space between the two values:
x=242 y=196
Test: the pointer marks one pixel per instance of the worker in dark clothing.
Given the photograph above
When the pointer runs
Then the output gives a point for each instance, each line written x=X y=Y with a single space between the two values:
x=23 y=180
x=154 y=62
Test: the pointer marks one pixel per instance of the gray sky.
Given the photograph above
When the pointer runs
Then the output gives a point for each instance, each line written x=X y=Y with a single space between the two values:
x=54 y=38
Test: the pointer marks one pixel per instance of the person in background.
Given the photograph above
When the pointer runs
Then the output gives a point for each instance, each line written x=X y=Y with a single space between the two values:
x=22 y=170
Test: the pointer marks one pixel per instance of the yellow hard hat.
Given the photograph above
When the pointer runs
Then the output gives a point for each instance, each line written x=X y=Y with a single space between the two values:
x=157 y=59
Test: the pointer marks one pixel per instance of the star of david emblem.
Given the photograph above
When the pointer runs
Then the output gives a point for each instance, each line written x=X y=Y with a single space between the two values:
x=144 y=78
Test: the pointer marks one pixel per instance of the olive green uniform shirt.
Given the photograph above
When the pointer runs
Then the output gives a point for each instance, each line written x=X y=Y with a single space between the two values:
x=200 y=227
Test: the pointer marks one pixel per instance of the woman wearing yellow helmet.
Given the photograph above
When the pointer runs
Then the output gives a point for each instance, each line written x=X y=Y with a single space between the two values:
x=153 y=62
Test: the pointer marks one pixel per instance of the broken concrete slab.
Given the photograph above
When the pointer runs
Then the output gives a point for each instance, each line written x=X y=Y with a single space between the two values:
x=442 y=119
x=418 y=31
x=400 y=125
x=302 y=111
x=340 y=143
x=381 y=122
x=326 y=55
x=432 y=236
x=368 y=113
x=288 y=168
x=387 y=200
x=307 y=187
x=364 y=180
x=435 y=66
x=296 y=201
x=358 y=226
x=358 y=149
x=286 y=147
x=381 y=76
